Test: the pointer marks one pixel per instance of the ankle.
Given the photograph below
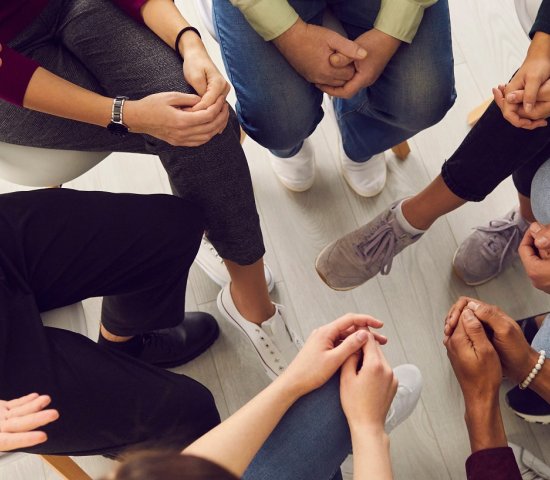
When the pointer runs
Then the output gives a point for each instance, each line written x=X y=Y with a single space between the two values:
x=256 y=311
x=410 y=219
x=112 y=337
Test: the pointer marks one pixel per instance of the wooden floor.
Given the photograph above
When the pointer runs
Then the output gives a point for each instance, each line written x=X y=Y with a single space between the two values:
x=413 y=300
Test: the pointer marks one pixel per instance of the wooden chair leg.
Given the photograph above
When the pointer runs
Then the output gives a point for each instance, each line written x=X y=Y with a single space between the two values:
x=402 y=150
x=477 y=112
x=66 y=467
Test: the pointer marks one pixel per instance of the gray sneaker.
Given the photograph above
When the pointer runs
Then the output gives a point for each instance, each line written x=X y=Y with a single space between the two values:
x=530 y=467
x=489 y=250
x=361 y=254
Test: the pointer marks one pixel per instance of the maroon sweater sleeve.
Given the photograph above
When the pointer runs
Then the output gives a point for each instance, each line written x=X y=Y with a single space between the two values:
x=493 y=463
x=15 y=74
x=131 y=7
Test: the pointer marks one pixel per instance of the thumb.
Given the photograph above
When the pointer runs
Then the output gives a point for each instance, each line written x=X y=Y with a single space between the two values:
x=488 y=314
x=515 y=97
x=348 y=48
x=530 y=95
x=473 y=327
x=349 y=346
x=338 y=60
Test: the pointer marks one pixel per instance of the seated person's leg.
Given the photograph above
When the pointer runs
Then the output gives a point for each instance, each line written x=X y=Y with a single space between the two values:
x=491 y=152
x=138 y=248
x=414 y=91
x=276 y=106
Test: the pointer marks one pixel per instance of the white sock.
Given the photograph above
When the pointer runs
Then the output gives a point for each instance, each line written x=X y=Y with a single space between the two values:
x=403 y=222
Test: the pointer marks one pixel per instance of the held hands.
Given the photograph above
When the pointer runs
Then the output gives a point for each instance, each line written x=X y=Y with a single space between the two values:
x=169 y=117
x=326 y=349
x=474 y=359
x=534 y=251
x=380 y=47
x=528 y=113
x=20 y=418
x=367 y=387
x=515 y=354
x=308 y=48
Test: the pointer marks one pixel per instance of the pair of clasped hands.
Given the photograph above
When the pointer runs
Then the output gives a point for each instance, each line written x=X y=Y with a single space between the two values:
x=525 y=100
x=336 y=65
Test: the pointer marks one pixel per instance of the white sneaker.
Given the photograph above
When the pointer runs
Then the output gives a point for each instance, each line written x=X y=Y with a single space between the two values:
x=530 y=467
x=274 y=342
x=298 y=172
x=407 y=396
x=366 y=179
x=213 y=265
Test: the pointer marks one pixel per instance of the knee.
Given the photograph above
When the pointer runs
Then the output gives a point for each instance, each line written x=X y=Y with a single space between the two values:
x=540 y=190
x=427 y=101
x=203 y=412
x=280 y=126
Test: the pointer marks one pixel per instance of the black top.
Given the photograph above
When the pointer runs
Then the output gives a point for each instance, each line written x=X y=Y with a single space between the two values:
x=542 y=22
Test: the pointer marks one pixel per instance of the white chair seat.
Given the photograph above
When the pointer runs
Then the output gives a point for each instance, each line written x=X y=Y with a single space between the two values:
x=70 y=318
x=527 y=13
x=44 y=167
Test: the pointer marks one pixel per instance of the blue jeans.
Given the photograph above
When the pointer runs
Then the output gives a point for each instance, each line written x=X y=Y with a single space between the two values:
x=279 y=109
x=310 y=442
x=540 y=203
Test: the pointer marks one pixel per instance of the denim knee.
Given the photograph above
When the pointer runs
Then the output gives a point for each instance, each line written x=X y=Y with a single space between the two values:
x=540 y=198
x=283 y=124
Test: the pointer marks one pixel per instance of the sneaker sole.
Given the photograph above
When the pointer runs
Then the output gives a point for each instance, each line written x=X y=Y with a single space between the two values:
x=270 y=373
x=470 y=284
x=540 y=419
x=294 y=189
x=361 y=194
x=323 y=278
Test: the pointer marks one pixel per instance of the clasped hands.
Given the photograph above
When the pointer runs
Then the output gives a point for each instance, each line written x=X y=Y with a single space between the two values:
x=335 y=64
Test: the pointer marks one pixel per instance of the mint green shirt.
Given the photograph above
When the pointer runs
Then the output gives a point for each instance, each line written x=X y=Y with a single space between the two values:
x=271 y=18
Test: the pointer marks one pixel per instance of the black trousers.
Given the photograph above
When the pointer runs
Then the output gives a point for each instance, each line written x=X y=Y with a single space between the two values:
x=492 y=151
x=60 y=246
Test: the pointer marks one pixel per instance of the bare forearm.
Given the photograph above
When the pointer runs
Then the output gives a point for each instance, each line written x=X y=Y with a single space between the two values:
x=51 y=94
x=485 y=425
x=371 y=454
x=234 y=443
x=164 y=18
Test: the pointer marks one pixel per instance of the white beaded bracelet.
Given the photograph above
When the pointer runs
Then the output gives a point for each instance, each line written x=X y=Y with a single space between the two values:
x=536 y=369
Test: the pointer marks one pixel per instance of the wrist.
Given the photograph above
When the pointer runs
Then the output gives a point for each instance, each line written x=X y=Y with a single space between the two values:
x=522 y=371
x=540 y=46
x=131 y=115
x=485 y=426
x=290 y=35
x=190 y=42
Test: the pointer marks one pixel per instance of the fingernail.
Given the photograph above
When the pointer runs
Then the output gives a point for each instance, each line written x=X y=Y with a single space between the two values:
x=468 y=313
x=473 y=306
x=528 y=107
x=511 y=97
x=362 y=335
x=535 y=227
x=362 y=53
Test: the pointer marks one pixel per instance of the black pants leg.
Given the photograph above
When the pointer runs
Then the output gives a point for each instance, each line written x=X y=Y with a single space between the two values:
x=61 y=246
x=492 y=151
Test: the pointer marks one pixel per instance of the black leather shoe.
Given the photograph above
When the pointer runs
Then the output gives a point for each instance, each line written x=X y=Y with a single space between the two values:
x=171 y=347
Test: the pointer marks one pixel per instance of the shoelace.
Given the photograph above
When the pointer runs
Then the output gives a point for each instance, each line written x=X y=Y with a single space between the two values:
x=212 y=250
x=265 y=338
x=497 y=241
x=379 y=247
x=291 y=333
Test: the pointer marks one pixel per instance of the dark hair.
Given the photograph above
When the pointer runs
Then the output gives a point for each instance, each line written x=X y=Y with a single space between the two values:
x=168 y=466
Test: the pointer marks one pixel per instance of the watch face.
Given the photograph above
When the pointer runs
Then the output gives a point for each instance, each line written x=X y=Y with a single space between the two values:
x=118 y=129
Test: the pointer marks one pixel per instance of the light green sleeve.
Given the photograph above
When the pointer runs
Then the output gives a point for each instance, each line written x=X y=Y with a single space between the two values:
x=270 y=18
x=401 y=18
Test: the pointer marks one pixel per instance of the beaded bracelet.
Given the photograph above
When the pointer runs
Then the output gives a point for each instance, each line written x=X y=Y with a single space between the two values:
x=536 y=369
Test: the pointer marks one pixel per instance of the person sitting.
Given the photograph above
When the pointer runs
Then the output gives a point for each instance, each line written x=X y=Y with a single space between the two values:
x=304 y=424
x=483 y=343
x=60 y=246
x=134 y=76
x=493 y=150
x=281 y=60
